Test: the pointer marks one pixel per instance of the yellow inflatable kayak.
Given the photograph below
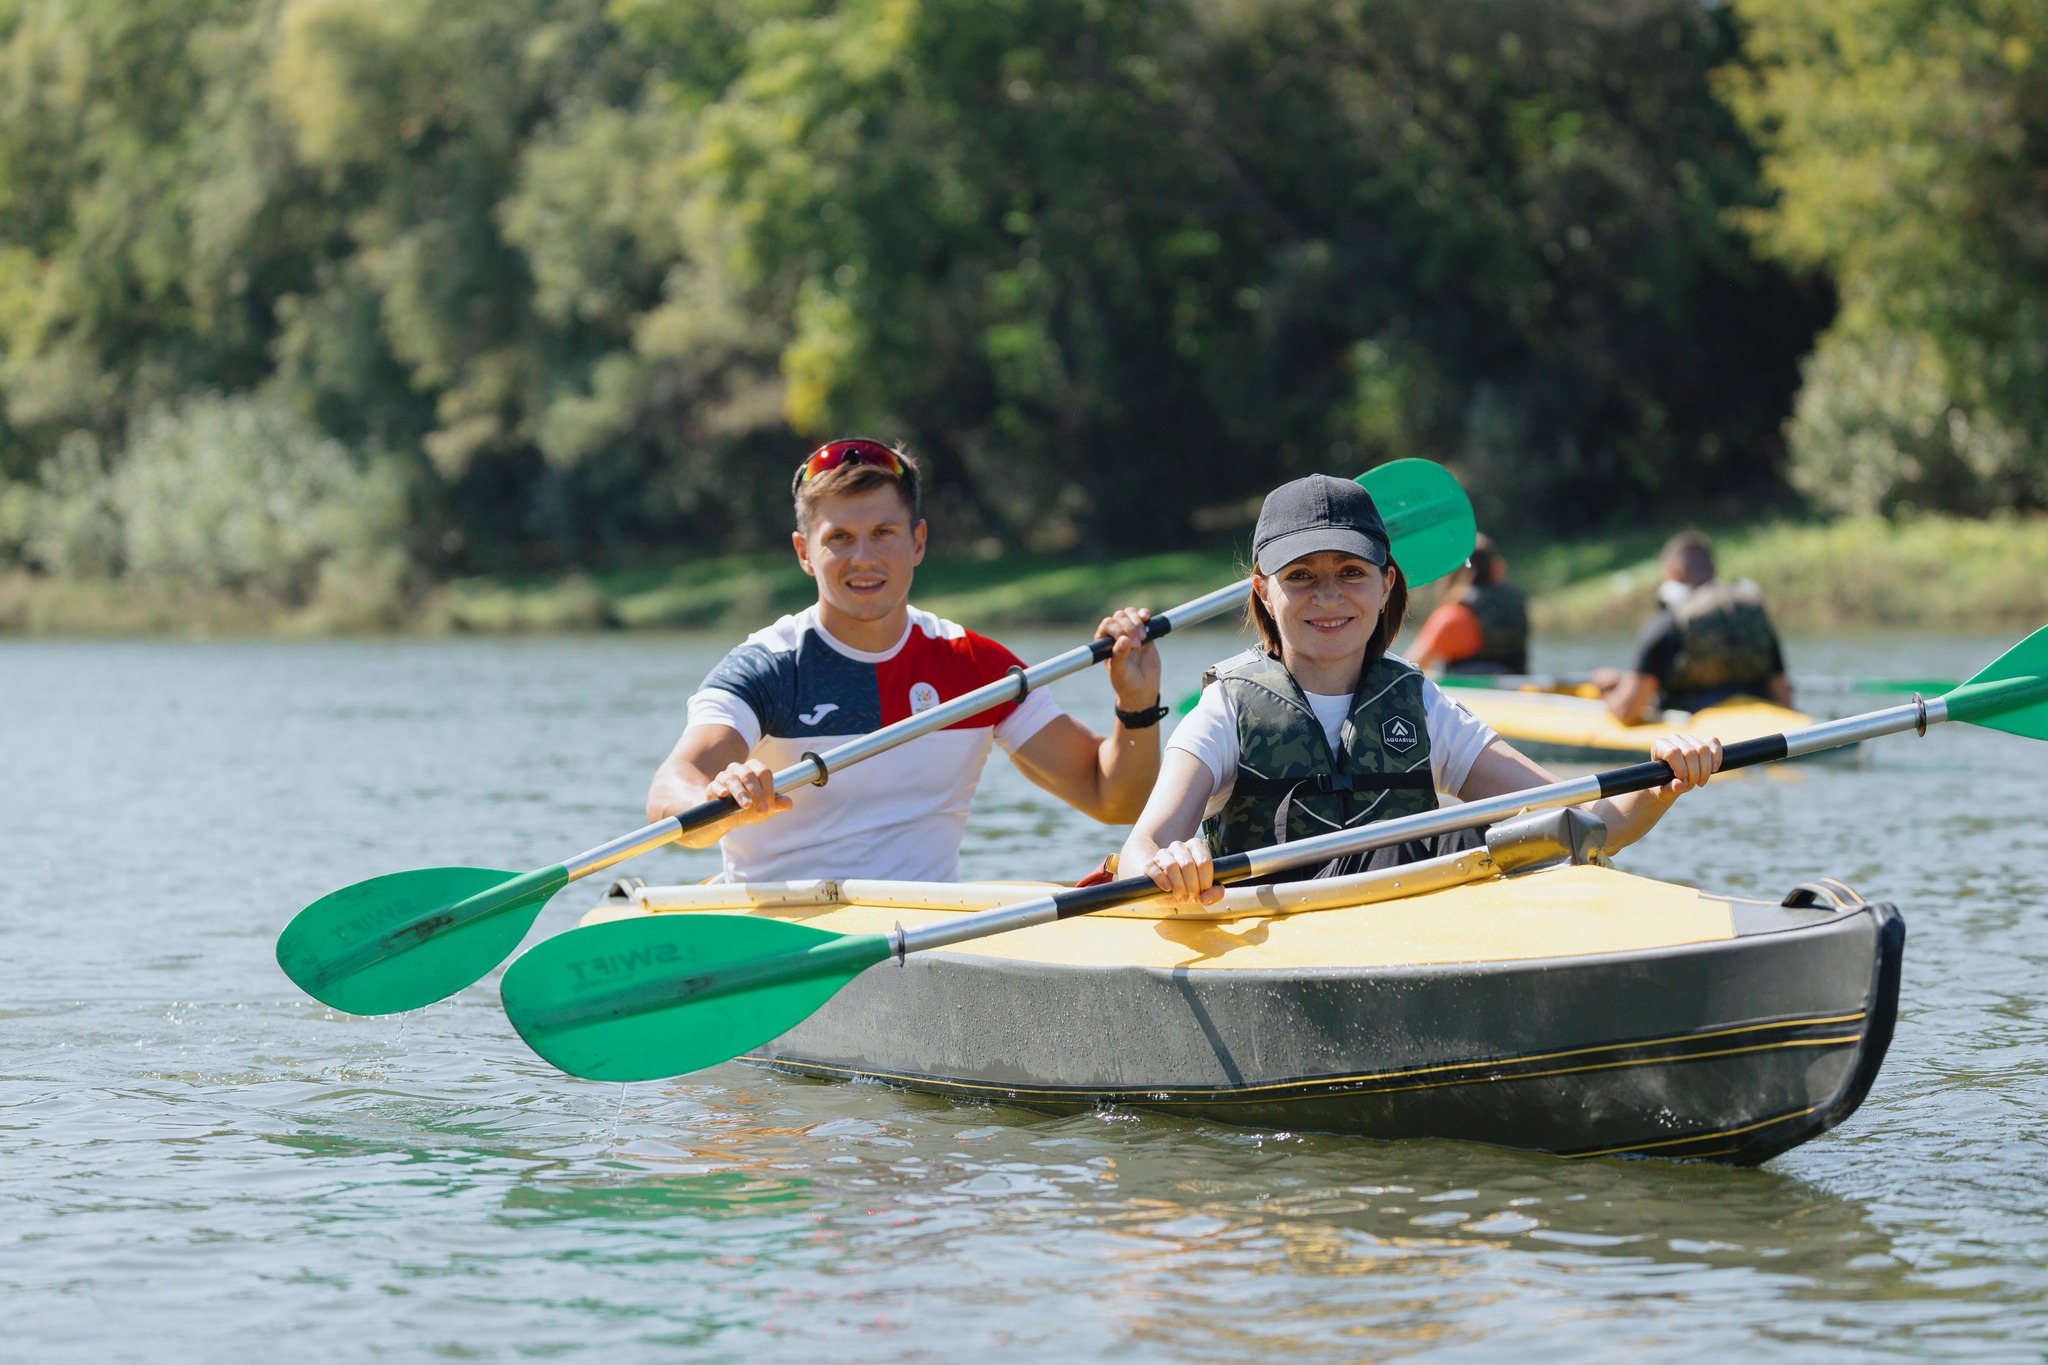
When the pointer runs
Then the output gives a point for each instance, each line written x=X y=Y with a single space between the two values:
x=1524 y=994
x=1568 y=727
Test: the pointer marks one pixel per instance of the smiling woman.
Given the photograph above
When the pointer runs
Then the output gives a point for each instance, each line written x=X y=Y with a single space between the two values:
x=1319 y=728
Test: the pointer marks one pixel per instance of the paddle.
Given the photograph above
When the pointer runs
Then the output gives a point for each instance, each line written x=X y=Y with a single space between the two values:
x=1550 y=682
x=667 y=994
x=407 y=939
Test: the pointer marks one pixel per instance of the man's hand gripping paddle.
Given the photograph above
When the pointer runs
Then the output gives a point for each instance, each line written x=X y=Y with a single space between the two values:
x=643 y=998
x=407 y=939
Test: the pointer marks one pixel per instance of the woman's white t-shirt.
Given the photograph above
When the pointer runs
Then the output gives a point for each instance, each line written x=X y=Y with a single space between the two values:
x=1209 y=732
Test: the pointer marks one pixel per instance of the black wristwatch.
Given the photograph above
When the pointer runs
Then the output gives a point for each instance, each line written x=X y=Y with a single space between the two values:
x=1142 y=720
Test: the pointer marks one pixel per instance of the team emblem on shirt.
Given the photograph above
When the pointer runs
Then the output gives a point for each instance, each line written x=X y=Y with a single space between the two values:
x=923 y=697
x=1398 y=733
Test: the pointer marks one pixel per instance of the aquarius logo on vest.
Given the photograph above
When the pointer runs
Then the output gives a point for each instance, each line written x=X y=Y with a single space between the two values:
x=1398 y=733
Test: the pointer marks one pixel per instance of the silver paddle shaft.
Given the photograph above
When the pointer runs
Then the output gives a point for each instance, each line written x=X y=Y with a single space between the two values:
x=1810 y=739
x=814 y=769
x=1322 y=848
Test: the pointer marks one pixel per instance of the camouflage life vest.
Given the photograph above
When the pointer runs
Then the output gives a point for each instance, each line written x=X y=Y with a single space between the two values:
x=1289 y=785
x=1726 y=645
x=1503 y=616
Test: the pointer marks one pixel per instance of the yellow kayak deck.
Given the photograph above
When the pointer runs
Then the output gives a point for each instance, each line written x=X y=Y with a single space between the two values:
x=1567 y=911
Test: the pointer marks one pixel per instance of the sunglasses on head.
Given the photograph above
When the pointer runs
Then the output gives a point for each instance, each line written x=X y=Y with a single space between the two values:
x=835 y=454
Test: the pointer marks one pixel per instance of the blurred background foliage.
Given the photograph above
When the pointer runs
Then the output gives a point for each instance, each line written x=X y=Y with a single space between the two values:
x=313 y=297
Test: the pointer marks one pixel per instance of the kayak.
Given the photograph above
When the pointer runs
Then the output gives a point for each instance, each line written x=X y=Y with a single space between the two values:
x=1567 y=727
x=1525 y=994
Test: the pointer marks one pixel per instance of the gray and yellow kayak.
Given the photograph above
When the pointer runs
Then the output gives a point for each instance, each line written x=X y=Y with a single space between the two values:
x=1567 y=727
x=1526 y=995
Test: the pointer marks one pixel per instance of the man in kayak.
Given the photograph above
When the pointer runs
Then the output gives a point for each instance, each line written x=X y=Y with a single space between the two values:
x=862 y=658
x=1319 y=728
x=1483 y=624
x=1708 y=641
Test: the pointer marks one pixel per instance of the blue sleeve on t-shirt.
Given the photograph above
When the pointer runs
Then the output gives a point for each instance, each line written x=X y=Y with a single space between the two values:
x=764 y=679
x=813 y=690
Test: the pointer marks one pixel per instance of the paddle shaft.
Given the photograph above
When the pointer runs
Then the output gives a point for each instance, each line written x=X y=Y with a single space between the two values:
x=1967 y=703
x=1545 y=682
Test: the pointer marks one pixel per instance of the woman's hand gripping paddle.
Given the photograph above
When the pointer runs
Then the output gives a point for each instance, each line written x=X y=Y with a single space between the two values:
x=667 y=994
x=407 y=939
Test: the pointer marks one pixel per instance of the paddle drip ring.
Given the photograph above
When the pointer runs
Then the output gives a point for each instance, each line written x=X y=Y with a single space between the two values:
x=1023 y=680
x=818 y=763
x=1920 y=719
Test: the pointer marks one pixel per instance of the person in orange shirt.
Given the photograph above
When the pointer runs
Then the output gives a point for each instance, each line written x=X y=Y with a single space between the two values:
x=1482 y=625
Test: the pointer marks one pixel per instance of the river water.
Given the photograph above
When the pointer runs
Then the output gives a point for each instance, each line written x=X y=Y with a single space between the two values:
x=197 y=1163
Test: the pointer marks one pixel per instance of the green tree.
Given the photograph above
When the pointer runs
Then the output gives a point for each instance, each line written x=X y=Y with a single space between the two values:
x=595 y=273
x=1905 y=143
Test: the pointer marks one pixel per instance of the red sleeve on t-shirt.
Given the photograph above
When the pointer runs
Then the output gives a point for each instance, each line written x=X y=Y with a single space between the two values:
x=1451 y=633
x=943 y=669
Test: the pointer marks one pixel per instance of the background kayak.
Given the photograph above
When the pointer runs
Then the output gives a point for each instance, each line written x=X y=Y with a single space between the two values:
x=1553 y=727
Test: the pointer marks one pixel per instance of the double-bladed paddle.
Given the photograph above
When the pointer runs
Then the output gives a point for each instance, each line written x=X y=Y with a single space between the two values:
x=1552 y=682
x=407 y=939
x=667 y=994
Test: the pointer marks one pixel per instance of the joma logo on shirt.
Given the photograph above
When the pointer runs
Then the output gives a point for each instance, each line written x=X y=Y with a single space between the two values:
x=823 y=709
x=923 y=697
x=1398 y=733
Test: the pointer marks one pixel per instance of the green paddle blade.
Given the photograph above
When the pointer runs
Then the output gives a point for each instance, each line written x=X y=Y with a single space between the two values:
x=2010 y=695
x=407 y=939
x=1428 y=517
x=638 y=999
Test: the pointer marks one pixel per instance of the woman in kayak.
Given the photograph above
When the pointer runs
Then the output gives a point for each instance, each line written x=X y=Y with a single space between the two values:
x=1319 y=728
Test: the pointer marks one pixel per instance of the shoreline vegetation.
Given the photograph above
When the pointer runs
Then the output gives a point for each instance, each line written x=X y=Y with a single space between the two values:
x=1923 y=573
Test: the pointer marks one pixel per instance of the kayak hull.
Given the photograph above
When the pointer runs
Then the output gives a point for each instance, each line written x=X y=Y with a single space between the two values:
x=1729 y=1052
x=1757 y=1027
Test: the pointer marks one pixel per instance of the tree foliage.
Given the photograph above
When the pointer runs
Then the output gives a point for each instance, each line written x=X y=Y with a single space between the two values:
x=1906 y=143
x=597 y=272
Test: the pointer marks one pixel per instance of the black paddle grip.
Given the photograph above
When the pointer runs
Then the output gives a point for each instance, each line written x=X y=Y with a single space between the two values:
x=704 y=812
x=1155 y=626
x=1638 y=777
x=1083 y=900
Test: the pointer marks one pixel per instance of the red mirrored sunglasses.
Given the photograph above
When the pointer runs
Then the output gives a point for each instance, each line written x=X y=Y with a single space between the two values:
x=833 y=454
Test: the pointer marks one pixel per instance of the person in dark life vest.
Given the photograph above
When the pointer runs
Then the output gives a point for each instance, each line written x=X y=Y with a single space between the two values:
x=1482 y=625
x=1709 y=640
x=1319 y=728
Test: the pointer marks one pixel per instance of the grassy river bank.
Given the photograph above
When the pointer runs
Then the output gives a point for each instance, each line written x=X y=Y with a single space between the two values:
x=1929 y=573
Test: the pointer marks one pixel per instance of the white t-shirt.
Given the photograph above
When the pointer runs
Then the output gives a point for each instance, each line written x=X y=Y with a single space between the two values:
x=793 y=688
x=1456 y=736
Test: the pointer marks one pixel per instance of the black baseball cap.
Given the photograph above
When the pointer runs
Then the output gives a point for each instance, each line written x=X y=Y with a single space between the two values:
x=1318 y=513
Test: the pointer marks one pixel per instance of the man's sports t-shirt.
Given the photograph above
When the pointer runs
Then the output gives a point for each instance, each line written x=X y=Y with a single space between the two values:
x=792 y=688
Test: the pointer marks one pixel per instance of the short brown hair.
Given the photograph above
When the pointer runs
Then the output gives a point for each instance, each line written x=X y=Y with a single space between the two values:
x=860 y=478
x=1693 y=556
x=1391 y=617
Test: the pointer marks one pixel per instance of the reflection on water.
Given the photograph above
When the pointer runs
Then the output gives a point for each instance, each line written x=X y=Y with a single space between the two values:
x=197 y=1163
